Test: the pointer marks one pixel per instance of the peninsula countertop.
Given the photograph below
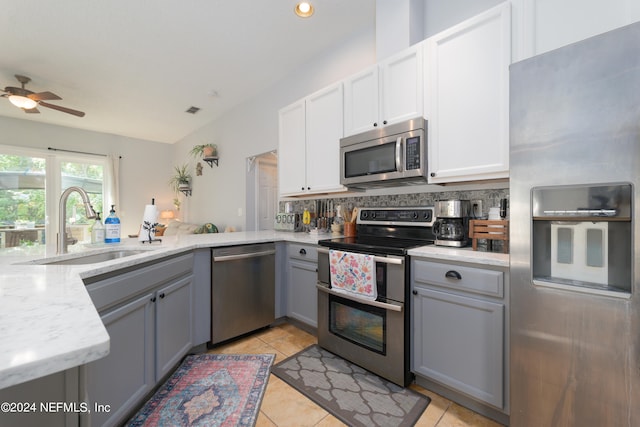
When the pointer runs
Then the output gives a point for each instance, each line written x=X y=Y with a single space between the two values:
x=48 y=322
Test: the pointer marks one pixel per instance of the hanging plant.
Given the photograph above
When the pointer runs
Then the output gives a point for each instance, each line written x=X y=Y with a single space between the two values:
x=182 y=178
x=206 y=151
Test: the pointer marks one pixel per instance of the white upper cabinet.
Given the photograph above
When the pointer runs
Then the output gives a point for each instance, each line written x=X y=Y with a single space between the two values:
x=292 y=149
x=309 y=146
x=389 y=92
x=324 y=130
x=467 y=98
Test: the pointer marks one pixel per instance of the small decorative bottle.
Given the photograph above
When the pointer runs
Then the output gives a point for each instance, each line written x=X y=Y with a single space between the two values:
x=97 y=231
x=112 y=227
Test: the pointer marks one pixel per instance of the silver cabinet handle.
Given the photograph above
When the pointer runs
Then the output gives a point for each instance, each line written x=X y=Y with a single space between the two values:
x=242 y=256
x=384 y=305
x=396 y=261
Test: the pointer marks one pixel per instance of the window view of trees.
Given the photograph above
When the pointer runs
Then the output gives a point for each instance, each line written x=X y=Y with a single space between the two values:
x=23 y=198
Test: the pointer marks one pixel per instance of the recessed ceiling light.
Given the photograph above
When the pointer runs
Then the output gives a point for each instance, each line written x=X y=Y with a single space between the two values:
x=304 y=9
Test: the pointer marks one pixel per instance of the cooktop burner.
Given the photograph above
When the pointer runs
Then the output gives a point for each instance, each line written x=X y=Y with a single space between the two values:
x=391 y=231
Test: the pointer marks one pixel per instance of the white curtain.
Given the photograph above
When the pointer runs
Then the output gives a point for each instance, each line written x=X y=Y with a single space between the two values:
x=112 y=183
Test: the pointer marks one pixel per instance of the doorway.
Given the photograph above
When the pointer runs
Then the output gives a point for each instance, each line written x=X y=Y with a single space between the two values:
x=262 y=191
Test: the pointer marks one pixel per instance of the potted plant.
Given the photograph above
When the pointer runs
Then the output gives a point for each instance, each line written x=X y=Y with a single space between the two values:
x=182 y=178
x=206 y=151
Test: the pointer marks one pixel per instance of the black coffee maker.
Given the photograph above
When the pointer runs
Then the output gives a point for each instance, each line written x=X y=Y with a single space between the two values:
x=451 y=227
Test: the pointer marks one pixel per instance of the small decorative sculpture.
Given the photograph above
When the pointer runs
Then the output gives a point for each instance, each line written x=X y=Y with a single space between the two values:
x=150 y=229
x=199 y=169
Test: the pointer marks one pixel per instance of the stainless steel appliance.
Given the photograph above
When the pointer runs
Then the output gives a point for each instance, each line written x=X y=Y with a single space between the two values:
x=374 y=334
x=392 y=155
x=574 y=276
x=242 y=290
x=451 y=227
x=288 y=222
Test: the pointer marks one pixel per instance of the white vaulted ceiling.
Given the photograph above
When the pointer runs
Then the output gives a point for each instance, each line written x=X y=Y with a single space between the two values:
x=135 y=66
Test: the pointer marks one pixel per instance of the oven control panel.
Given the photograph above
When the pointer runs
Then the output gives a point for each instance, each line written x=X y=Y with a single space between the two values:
x=414 y=216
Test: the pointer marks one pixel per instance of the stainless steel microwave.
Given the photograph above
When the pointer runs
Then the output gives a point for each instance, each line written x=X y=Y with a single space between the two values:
x=393 y=155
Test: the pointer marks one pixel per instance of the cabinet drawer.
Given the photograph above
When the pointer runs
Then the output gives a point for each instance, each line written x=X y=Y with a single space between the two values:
x=303 y=252
x=113 y=290
x=468 y=279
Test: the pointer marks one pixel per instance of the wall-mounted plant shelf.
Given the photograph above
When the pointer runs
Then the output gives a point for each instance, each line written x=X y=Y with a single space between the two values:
x=211 y=160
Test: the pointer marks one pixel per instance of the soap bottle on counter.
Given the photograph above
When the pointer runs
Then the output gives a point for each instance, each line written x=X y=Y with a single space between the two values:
x=112 y=227
x=97 y=231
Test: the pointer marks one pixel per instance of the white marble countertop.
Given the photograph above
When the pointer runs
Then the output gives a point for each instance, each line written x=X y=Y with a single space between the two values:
x=461 y=255
x=48 y=322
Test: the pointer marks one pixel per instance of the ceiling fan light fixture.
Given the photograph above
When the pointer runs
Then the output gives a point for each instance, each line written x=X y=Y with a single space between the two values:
x=304 y=9
x=22 y=102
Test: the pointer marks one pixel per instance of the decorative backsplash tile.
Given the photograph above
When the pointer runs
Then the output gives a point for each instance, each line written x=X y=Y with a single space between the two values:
x=490 y=198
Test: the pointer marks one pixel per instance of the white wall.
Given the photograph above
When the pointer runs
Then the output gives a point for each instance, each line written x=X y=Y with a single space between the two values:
x=252 y=128
x=440 y=15
x=145 y=167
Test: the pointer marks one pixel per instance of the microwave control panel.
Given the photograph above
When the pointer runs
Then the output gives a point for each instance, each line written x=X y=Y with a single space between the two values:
x=412 y=153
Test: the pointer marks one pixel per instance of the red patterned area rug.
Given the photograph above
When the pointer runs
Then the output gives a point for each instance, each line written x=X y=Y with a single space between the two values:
x=209 y=390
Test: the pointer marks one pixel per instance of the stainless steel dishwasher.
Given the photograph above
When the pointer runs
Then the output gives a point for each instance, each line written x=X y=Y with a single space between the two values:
x=242 y=290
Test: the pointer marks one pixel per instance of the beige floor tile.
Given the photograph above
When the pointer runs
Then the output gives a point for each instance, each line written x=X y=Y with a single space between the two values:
x=330 y=421
x=287 y=407
x=264 y=421
x=458 y=416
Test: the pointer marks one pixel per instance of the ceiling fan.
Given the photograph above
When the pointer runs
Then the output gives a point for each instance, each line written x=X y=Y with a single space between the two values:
x=28 y=100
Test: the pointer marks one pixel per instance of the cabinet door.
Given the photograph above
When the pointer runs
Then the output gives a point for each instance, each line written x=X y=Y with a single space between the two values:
x=459 y=342
x=361 y=101
x=467 y=98
x=402 y=86
x=173 y=324
x=126 y=374
x=324 y=130
x=303 y=295
x=291 y=150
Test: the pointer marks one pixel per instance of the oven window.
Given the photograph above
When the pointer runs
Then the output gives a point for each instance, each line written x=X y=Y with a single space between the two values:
x=358 y=323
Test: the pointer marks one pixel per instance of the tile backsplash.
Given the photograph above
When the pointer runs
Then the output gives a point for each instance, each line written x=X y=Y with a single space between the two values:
x=490 y=198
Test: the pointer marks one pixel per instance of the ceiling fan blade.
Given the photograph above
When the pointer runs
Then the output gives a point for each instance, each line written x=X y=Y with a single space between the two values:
x=63 y=109
x=31 y=110
x=43 y=96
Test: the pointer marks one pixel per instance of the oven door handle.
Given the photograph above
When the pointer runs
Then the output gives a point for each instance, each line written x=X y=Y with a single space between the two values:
x=387 y=260
x=383 y=305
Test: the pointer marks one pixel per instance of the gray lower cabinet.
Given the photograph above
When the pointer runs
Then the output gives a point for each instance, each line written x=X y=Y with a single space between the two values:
x=36 y=402
x=126 y=375
x=147 y=312
x=458 y=324
x=302 y=276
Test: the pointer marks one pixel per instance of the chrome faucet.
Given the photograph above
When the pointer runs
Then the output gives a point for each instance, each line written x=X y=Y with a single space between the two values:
x=62 y=215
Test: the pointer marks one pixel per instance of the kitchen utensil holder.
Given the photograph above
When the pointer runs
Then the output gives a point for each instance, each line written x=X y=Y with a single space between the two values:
x=489 y=230
x=349 y=229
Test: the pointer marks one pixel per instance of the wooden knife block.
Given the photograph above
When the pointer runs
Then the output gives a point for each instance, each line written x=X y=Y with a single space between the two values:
x=489 y=230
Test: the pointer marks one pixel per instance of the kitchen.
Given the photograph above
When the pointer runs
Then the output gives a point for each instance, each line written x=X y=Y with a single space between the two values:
x=264 y=132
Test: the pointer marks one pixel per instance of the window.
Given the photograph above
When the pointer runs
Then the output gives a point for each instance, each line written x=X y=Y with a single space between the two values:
x=30 y=187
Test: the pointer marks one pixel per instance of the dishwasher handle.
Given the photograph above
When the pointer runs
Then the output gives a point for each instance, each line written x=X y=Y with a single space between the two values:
x=243 y=256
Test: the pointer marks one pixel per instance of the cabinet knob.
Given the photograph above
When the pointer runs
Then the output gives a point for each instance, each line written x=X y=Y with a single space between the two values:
x=375 y=125
x=302 y=188
x=384 y=122
x=432 y=174
x=452 y=274
x=162 y=295
x=414 y=292
x=302 y=252
x=153 y=299
x=308 y=188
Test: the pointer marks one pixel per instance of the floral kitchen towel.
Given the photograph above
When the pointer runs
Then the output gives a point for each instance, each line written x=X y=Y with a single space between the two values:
x=353 y=273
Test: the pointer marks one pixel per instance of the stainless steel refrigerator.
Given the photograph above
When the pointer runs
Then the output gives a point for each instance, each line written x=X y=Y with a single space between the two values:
x=575 y=279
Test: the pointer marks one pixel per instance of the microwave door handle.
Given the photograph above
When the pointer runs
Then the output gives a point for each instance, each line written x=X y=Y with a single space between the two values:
x=399 y=154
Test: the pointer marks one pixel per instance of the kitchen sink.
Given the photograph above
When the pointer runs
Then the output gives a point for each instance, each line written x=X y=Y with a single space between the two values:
x=93 y=258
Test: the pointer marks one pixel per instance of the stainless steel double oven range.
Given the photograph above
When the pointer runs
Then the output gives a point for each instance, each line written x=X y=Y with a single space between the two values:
x=374 y=334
